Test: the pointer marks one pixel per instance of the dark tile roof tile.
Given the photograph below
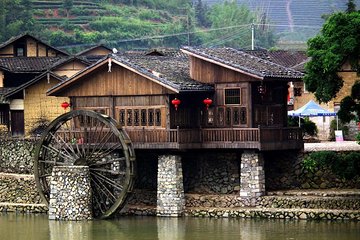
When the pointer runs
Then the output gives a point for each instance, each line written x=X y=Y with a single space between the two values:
x=170 y=70
x=28 y=64
x=287 y=58
x=245 y=62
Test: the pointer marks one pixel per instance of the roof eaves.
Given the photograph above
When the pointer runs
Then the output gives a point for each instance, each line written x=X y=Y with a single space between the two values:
x=34 y=80
x=94 y=47
x=218 y=61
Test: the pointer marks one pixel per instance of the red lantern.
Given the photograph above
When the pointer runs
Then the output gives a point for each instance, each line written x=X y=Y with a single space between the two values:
x=65 y=105
x=176 y=102
x=207 y=102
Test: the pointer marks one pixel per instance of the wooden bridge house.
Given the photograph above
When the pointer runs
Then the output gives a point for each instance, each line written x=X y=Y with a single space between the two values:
x=248 y=108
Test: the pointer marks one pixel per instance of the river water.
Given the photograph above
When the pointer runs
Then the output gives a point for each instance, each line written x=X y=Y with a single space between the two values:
x=38 y=227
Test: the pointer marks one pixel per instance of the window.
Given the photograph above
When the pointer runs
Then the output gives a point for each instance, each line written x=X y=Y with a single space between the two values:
x=139 y=117
x=236 y=116
x=228 y=116
x=136 y=117
x=157 y=117
x=243 y=115
x=151 y=117
x=129 y=117
x=232 y=96
x=20 y=52
x=143 y=117
x=122 y=117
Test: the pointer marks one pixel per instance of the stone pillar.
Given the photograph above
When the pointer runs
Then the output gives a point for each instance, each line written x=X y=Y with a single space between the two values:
x=252 y=177
x=70 y=193
x=170 y=187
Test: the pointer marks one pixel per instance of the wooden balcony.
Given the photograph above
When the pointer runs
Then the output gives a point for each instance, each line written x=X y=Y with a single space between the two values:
x=215 y=138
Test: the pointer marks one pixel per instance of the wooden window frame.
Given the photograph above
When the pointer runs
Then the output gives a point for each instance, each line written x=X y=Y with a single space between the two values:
x=226 y=96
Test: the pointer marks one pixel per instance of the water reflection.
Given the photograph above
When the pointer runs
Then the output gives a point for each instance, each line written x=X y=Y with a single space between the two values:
x=38 y=227
x=60 y=230
x=170 y=228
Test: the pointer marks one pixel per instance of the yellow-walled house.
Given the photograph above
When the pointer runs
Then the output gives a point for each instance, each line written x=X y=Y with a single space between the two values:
x=38 y=108
x=302 y=96
x=26 y=45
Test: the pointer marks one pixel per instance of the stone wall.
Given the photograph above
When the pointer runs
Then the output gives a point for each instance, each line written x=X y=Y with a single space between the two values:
x=16 y=155
x=18 y=189
x=212 y=172
x=170 y=190
x=70 y=194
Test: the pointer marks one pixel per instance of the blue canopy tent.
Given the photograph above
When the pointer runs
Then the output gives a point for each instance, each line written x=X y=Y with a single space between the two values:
x=311 y=109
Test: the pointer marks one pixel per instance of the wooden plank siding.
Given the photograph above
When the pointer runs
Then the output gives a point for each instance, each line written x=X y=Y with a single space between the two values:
x=119 y=81
x=208 y=72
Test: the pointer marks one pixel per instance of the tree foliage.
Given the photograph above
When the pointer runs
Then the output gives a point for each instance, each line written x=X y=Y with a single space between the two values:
x=15 y=18
x=350 y=105
x=234 y=24
x=337 y=43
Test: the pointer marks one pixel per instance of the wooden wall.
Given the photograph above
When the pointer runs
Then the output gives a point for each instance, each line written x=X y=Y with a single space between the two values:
x=129 y=111
x=207 y=72
x=69 y=69
x=100 y=51
x=119 y=81
x=7 y=51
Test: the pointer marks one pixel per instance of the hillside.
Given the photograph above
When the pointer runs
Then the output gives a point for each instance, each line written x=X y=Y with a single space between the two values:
x=289 y=13
x=89 y=22
x=129 y=24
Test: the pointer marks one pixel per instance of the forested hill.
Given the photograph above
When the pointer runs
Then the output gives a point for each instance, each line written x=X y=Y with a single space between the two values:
x=127 y=24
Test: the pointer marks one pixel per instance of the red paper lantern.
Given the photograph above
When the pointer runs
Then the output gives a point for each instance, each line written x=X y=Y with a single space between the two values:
x=207 y=102
x=176 y=102
x=65 y=105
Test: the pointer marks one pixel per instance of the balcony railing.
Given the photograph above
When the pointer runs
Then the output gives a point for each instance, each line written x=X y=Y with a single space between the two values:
x=217 y=137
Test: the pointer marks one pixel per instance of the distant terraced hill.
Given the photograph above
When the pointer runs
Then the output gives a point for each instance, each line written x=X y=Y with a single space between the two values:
x=287 y=14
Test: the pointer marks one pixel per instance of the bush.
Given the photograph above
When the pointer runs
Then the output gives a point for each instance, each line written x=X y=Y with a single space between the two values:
x=333 y=127
x=345 y=166
x=307 y=126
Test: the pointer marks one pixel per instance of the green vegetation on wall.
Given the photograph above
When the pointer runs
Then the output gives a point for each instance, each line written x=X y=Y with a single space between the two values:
x=345 y=165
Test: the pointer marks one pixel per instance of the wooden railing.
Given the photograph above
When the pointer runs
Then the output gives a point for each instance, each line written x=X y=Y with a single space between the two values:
x=261 y=138
x=214 y=135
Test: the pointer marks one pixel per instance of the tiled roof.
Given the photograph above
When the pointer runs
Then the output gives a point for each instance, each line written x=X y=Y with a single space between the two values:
x=27 y=64
x=287 y=58
x=68 y=59
x=32 y=81
x=245 y=62
x=169 y=71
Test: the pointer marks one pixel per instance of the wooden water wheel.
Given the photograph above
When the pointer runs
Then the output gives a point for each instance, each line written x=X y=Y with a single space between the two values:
x=88 y=138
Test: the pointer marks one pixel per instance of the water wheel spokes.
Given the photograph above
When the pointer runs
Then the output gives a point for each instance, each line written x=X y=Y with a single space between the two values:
x=91 y=139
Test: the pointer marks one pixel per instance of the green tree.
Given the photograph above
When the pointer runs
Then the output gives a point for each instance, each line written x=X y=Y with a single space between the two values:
x=68 y=4
x=337 y=42
x=350 y=105
x=201 y=11
x=234 y=24
x=15 y=18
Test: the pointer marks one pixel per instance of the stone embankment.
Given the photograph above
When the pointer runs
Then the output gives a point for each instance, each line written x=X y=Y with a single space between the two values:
x=313 y=204
x=18 y=194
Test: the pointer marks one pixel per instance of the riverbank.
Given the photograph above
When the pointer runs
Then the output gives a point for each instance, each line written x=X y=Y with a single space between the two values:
x=330 y=204
x=212 y=186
